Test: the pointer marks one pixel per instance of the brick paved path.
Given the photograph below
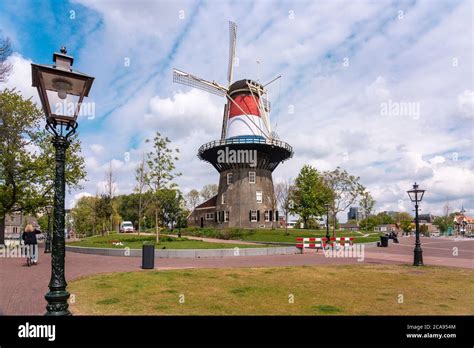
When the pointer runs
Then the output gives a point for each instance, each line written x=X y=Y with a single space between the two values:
x=22 y=288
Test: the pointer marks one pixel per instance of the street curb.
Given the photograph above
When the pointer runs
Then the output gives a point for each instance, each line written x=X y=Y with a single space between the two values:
x=187 y=253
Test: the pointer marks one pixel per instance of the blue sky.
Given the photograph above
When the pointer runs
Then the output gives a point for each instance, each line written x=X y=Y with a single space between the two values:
x=341 y=62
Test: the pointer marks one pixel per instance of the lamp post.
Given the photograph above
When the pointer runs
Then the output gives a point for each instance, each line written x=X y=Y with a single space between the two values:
x=416 y=195
x=61 y=91
x=462 y=225
x=327 y=205
x=47 y=244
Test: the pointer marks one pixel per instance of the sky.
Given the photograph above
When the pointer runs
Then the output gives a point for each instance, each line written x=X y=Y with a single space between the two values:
x=382 y=89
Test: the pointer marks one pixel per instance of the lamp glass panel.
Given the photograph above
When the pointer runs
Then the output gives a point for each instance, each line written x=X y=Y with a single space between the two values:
x=74 y=86
x=420 y=197
x=62 y=107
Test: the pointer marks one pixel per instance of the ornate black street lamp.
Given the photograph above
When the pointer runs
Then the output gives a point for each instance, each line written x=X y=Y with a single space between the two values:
x=47 y=244
x=61 y=91
x=327 y=205
x=463 y=223
x=416 y=195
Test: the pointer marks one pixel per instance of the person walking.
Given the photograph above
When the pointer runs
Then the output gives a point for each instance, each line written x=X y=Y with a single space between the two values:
x=29 y=237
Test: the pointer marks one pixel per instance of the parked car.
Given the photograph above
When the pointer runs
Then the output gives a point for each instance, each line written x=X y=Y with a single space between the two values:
x=126 y=226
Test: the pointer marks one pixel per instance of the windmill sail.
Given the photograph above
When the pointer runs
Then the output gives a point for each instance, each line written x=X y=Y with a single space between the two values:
x=232 y=43
x=266 y=104
x=196 y=82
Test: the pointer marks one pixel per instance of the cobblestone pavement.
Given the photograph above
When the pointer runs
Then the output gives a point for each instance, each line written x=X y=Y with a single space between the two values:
x=22 y=288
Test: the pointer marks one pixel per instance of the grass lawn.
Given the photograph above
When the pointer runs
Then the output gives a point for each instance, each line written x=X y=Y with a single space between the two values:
x=276 y=235
x=316 y=290
x=135 y=242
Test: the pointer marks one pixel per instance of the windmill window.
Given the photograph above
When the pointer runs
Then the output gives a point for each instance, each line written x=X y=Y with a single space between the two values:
x=253 y=216
x=252 y=177
x=259 y=196
x=229 y=178
x=267 y=215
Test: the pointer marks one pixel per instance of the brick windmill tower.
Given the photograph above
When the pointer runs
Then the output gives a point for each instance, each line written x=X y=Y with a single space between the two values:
x=245 y=156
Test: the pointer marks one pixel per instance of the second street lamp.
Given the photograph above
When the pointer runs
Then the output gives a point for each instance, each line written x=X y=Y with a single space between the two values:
x=327 y=205
x=416 y=195
x=61 y=91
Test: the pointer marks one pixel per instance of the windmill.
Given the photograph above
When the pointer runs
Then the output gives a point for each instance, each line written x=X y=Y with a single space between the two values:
x=242 y=107
x=245 y=196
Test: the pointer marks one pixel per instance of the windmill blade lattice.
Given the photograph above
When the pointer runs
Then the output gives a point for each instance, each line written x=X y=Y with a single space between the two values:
x=232 y=43
x=196 y=82
x=266 y=104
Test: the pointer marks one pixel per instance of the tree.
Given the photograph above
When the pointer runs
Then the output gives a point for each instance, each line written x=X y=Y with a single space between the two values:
x=127 y=207
x=27 y=159
x=345 y=187
x=209 y=191
x=171 y=204
x=405 y=221
x=310 y=194
x=283 y=193
x=444 y=222
x=5 y=51
x=372 y=221
x=192 y=199
x=384 y=219
x=369 y=223
x=103 y=210
x=366 y=204
x=142 y=183
x=161 y=171
x=84 y=215
x=19 y=122
x=110 y=192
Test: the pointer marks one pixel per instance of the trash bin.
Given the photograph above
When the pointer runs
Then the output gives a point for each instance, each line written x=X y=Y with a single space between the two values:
x=384 y=241
x=148 y=256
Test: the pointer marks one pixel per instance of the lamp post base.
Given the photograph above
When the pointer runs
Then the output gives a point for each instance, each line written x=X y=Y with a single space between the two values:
x=57 y=303
x=47 y=246
x=418 y=259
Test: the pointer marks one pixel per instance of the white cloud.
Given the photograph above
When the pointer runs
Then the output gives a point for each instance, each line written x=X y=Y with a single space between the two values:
x=185 y=112
x=20 y=77
x=466 y=103
x=97 y=149
x=437 y=160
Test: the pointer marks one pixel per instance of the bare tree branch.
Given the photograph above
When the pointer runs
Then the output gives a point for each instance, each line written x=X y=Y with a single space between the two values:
x=5 y=52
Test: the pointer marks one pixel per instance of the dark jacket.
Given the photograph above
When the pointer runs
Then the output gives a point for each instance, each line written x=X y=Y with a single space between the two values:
x=30 y=237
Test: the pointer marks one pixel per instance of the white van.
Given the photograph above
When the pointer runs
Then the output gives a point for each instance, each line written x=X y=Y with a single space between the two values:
x=126 y=226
